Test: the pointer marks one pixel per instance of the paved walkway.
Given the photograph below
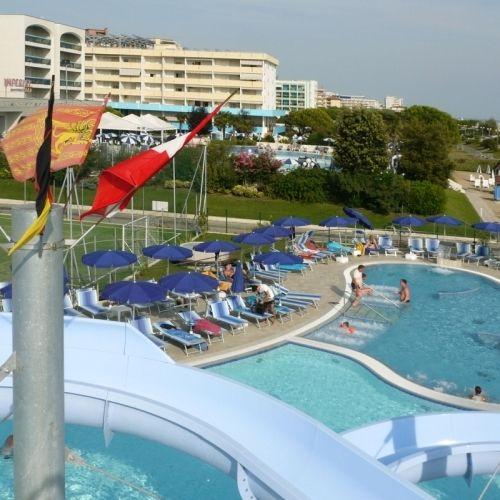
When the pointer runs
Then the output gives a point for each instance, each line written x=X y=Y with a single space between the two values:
x=487 y=208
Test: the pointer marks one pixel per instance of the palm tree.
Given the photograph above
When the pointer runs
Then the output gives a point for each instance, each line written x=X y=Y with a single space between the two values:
x=223 y=120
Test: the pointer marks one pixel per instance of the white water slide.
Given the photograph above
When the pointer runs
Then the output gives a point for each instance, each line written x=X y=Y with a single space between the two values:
x=117 y=380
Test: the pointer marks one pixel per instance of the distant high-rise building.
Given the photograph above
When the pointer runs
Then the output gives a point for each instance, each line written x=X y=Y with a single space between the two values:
x=394 y=103
x=359 y=101
x=326 y=99
x=296 y=94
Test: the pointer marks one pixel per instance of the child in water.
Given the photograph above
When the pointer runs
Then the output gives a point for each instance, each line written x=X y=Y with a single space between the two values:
x=347 y=327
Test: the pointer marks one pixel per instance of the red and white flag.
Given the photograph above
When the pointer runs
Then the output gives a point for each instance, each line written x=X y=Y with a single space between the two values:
x=118 y=184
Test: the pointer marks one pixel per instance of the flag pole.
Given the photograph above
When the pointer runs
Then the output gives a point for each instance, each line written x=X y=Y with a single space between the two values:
x=38 y=344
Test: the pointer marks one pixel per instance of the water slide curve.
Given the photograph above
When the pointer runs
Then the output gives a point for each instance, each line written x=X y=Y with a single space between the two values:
x=117 y=380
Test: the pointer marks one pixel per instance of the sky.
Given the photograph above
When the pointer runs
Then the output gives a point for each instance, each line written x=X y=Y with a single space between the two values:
x=442 y=53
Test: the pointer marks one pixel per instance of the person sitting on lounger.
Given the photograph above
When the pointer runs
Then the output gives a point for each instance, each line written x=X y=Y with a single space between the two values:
x=357 y=285
x=478 y=394
x=371 y=245
x=228 y=272
x=404 y=292
x=347 y=327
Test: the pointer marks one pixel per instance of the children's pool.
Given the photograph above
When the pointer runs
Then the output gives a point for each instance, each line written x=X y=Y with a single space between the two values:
x=447 y=338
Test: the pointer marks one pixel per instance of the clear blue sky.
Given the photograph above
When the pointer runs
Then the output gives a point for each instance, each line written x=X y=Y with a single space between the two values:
x=438 y=52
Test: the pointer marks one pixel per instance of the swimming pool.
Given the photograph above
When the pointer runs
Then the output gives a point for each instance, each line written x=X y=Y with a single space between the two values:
x=444 y=340
x=154 y=471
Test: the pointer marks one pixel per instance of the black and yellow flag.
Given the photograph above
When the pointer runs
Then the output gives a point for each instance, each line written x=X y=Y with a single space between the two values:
x=42 y=180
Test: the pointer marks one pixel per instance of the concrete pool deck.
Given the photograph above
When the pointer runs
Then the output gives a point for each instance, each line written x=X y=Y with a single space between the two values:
x=329 y=281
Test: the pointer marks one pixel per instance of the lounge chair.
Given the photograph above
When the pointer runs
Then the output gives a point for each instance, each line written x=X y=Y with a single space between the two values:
x=463 y=250
x=482 y=253
x=219 y=310
x=433 y=249
x=237 y=305
x=143 y=324
x=187 y=340
x=86 y=300
x=69 y=310
x=202 y=326
x=7 y=305
x=338 y=249
x=385 y=244
x=312 y=297
x=416 y=246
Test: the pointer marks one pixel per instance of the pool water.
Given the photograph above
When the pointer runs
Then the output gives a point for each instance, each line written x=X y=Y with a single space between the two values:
x=130 y=468
x=444 y=340
x=343 y=395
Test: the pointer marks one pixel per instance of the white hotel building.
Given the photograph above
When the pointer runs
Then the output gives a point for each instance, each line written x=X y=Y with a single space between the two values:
x=142 y=75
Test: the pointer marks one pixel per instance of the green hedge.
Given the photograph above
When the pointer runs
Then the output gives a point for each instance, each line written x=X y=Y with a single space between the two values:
x=310 y=186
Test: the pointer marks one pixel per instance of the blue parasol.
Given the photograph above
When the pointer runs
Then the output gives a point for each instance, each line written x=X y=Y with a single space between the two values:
x=337 y=221
x=362 y=219
x=278 y=258
x=491 y=227
x=133 y=292
x=292 y=221
x=254 y=239
x=188 y=282
x=170 y=253
x=167 y=252
x=274 y=231
x=408 y=220
x=446 y=220
x=109 y=258
x=238 y=284
x=6 y=291
x=216 y=246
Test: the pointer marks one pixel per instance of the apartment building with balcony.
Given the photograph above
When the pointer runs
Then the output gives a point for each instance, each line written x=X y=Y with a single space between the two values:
x=296 y=94
x=160 y=76
x=34 y=49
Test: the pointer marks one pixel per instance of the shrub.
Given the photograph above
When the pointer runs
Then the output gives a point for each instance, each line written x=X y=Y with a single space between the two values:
x=309 y=186
x=268 y=138
x=490 y=143
x=247 y=191
x=425 y=198
x=256 y=169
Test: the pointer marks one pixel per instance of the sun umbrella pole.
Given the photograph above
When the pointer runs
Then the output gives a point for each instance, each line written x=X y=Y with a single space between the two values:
x=38 y=344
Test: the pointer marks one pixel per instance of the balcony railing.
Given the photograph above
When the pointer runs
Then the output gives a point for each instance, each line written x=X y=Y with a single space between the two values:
x=65 y=64
x=38 y=81
x=69 y=83
x=72 y=46
x=37 y=39
x=37 y=60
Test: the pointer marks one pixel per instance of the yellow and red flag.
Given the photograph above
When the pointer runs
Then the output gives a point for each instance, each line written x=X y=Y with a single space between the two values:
x=73 y=128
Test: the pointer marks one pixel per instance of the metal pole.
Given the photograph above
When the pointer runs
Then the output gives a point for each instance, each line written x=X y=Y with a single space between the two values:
x=38 y=342
x=175 y=202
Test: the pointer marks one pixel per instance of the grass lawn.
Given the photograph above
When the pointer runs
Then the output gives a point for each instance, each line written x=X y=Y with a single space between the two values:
x=466 y=161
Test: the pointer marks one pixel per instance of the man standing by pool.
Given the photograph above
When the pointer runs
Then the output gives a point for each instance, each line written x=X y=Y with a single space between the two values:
x=357 y=285
x=404 y=292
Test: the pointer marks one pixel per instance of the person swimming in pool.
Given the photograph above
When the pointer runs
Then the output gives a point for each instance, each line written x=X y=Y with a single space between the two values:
x=404 y=292
x=347 y=327
x=478 y=394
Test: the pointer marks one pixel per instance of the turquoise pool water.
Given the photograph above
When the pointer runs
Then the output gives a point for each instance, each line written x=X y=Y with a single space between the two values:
x=161 y=471
x=447 y=341
x=335 y=390
x=343 y=395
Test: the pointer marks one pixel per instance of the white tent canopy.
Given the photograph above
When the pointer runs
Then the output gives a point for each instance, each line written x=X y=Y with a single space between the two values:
x=154 y=123
x=109 y=121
